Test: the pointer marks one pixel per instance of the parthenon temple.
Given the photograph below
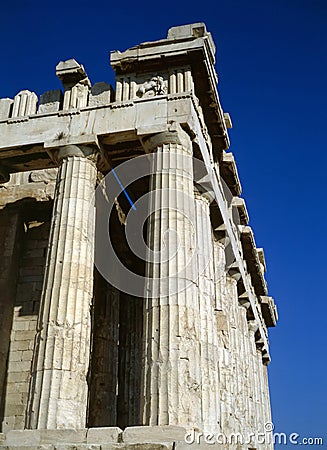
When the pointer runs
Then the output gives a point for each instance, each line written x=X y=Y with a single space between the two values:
x=134 y=310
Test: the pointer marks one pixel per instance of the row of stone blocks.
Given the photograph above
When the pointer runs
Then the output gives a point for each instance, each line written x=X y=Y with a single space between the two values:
x=109 y=438
x=26 y=103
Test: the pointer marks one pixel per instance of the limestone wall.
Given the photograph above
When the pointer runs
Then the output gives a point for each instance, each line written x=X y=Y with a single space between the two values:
x=25 y=212
x=25 y=314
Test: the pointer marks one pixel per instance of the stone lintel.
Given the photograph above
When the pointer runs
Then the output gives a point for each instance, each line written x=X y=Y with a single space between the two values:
x=23 y=144
x=229 y=173
x=82 y=139
x=240 y=204
x=252 y=259
x=269 y=310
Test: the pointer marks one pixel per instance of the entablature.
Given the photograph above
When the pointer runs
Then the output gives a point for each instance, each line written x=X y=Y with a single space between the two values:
x=269 y=310
x=184 y=62
x=24 y=144
x=252 y=259
x=228 y=171
x=240 y=205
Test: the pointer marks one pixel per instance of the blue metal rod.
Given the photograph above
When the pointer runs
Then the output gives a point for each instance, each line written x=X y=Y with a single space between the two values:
x=124 y=190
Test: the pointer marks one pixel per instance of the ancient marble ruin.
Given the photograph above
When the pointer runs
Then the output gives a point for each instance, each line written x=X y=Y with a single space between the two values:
x=93 y=362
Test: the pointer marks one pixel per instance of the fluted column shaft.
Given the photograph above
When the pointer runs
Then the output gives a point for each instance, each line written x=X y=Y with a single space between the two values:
x=244 y=359
x=222 y=305
x=268 y=417
x=58 y=391
x=208 y=327
x=253 y=369
x=220 y=274
x=260 y=411
x=229 y=421
x=264 y=407
x=172 y=375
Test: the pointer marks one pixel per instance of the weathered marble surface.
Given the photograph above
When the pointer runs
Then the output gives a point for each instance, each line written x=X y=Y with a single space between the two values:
x=204 y=349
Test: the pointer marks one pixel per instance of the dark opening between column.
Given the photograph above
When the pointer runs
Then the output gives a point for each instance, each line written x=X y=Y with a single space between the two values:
x=117 y=331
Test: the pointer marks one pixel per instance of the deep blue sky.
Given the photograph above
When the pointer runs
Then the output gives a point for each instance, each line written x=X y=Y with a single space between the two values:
x=271 y=61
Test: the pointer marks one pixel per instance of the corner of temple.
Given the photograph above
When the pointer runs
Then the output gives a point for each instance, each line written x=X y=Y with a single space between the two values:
x=128 y=295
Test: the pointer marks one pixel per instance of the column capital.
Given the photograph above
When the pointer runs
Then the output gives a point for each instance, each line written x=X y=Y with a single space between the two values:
x=4 y=175
x=244 y=301
x=85 y=151
x=252 y=325
x=233 y=271
x=204 y=196
x=175 y=135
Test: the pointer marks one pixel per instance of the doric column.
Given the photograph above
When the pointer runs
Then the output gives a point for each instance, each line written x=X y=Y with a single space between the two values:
x=222 y=306
x=230 y=419
x=264 y=404
x=268 y=418
x=245 y=378
x=220 y=274
x=58 y=390
x=253 y=369
x=260 y=399
x=208 y=328
x=172 y=378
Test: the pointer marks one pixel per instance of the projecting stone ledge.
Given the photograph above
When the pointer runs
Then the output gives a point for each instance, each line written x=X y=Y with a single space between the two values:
x=109 y=438
x=229 y=173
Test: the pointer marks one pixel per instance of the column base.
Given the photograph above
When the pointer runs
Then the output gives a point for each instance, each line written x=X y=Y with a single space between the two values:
x=107 y=438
